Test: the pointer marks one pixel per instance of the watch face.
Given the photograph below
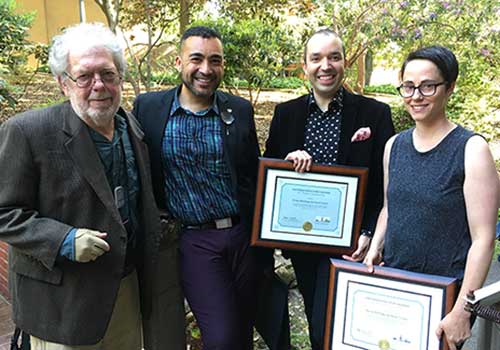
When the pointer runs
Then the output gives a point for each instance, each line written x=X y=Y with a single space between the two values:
x=367 y=233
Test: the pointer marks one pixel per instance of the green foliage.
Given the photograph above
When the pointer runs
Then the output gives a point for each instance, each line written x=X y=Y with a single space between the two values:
x=255 y=51
x=393 y=28
x=195 y=333
x=161 y=14
x=274 y=83
x=400 y=117
x=5 y=94
x=166 y=78
x=381 y=89
x=50 y=101
x=262 y=37
x=472 y=31
x=160 y=21
x=14 y=47
x=14 y=28
x=271 y=11
x=286 y=83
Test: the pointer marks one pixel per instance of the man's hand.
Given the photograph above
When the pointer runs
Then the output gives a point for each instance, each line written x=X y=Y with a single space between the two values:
x=89 y=245
x=302 y=161
x=360 y=253
x=456 y=327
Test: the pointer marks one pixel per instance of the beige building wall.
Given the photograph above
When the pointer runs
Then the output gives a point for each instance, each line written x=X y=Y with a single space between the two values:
x=53 y=15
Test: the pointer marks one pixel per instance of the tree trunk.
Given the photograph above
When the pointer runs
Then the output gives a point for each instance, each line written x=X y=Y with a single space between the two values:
x=184 y=15
x=111 y=9
x=360 y=83
x=147 y=82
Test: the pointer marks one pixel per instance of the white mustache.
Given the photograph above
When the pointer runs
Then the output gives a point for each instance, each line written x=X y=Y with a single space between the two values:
x=99 y=97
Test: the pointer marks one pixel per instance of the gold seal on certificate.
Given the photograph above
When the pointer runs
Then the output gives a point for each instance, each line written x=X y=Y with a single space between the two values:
x=389 y=309
x=320 y=210
x=307 y=226
x=384 y=344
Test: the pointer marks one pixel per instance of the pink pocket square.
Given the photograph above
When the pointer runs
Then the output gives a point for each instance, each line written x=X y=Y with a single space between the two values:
x=361 y=135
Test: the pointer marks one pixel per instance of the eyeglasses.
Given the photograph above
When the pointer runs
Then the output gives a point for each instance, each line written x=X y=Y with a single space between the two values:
x=425 y=89
x=86 y=80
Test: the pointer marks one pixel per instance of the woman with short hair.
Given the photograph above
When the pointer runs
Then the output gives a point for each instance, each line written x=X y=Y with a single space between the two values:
x=441 y=190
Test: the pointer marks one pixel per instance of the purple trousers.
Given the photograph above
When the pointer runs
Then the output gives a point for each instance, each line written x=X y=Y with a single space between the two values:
x=219 y=278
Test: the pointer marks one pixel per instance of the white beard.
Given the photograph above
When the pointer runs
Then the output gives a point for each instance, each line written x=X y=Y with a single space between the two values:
x=100 y=118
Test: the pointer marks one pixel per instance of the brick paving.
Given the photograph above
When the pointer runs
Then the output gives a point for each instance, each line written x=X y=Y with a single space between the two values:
x=6 y=325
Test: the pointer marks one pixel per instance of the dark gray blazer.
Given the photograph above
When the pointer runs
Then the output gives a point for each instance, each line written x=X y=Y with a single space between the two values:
x=51 y=180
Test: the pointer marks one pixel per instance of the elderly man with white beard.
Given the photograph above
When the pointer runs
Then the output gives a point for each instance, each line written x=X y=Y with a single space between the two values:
x=77 y=209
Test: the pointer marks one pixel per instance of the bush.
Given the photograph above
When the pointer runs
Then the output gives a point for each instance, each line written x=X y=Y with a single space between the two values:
x=5 y=95
x=14 y=47
x=255 y=51
x=285 y=83
x=166 y=78
x=381 y=89
x=14 y=28
x=274 y=83
x=400 y=117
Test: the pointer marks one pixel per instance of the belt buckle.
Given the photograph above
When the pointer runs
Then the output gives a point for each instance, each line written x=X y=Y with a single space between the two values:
x=223 y=223
x=192 y=227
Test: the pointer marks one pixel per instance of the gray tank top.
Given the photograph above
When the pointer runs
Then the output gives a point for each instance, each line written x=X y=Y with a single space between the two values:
x=427 y=228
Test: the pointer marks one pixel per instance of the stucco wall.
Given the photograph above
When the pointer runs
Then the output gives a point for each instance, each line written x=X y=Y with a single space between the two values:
x=53 y=15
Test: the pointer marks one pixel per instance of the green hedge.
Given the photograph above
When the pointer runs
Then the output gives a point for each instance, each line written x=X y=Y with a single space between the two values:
x=381 y=89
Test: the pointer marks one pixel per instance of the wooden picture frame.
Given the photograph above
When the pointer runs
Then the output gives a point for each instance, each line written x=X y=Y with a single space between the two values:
x=320 y=210
x=387 y=309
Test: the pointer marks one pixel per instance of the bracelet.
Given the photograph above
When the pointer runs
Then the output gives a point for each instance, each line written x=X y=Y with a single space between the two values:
x=366 y=233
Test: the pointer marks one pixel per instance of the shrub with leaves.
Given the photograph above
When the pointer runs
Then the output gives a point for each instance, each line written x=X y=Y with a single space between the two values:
x=393 y=28
x=255 y=52
x=14 y=28
x=14 y=46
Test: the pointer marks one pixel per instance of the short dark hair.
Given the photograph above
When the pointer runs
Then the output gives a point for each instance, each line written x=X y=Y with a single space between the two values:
x=324 y=31
x=201 y=31
x=442 y=57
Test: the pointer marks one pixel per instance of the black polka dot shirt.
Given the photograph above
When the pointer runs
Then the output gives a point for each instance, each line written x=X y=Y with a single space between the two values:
x=322 y=132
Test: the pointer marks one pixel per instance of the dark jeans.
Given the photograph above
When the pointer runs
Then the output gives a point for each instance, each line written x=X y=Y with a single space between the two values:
x=219 y=278
x=312 y=273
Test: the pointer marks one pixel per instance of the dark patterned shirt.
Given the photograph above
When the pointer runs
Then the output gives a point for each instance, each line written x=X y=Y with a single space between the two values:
x=118 y=159
x=197 y=178
x=322 y=131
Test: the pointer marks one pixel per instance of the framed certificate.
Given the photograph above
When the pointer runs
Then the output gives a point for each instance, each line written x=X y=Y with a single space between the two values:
x=389 y=309
x=319 y=210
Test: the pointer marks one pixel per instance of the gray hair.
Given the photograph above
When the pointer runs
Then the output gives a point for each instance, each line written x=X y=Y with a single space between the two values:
x=80 y=37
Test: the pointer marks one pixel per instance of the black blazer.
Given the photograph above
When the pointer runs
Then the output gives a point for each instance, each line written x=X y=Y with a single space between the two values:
x=241 y=149
x=287 y=135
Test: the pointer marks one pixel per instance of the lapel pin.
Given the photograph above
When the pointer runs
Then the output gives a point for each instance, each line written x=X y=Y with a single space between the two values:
x=228 y=118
